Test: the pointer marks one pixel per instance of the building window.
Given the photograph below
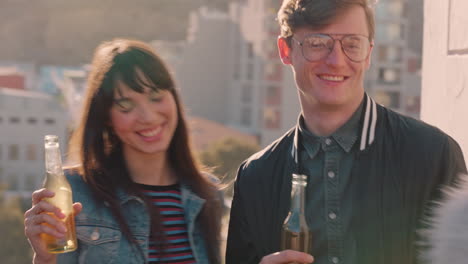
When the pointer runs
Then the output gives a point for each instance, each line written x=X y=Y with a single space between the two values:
x=273 y=71
x=387 y=98
x=246 y=93
x=389 y=75
x=250 y=71
x=250 y=51
x=49 y=121
x=13 y=182
x=13 y=152
x=413 y=64
x=30 y=182
x=14 y=120
x=31 y=152
x=246 y=116
x=273 y=95
x=271 y=118
x=389 y=32
x=413 y=104
x=393 y=9
x=389 y=53
x=32 y=120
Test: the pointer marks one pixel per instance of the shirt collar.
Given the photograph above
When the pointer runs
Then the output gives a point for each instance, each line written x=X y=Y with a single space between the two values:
x=367 y=128
x=345 y=136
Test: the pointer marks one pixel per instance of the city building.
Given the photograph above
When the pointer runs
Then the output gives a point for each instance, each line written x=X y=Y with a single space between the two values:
x=25 y=117
x=228 y=70
x=19 y=75
x=394 y=79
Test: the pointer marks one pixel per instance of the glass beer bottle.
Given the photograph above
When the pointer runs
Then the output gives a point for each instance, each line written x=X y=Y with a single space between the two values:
x=296 y=234
x=56 y=181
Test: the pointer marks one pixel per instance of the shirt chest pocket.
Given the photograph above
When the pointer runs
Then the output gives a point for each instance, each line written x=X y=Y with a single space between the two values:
x=98 y=244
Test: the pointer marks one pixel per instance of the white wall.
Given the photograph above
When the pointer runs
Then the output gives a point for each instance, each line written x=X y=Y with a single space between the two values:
x=445 y=68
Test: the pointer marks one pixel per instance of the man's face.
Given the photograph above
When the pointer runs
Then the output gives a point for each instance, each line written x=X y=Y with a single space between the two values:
x=334 y=82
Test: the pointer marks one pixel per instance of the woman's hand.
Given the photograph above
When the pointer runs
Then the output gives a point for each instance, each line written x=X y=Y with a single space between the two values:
x=43 y=218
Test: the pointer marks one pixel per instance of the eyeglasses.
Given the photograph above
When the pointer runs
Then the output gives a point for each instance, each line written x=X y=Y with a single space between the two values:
x=318 y=46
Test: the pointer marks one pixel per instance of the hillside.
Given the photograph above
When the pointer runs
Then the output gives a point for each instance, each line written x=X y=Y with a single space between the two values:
x=66 y=32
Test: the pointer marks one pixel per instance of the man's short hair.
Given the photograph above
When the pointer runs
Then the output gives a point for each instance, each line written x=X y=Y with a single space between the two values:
x=316 y=14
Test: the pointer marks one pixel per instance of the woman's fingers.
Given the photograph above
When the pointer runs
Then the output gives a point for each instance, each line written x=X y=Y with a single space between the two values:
x=41 y=207
x=77 y=207
x=45 y=223
x=40 y=194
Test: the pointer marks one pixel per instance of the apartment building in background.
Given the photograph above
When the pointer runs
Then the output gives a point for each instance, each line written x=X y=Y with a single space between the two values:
x=25 y=117
x=394 y=78
x=228 y=70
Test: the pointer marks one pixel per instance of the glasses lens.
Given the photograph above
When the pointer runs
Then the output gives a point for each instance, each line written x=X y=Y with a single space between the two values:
x=316 y=47
x=356 y=47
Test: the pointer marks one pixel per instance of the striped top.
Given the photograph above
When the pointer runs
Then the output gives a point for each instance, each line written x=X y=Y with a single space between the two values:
x=168 y=200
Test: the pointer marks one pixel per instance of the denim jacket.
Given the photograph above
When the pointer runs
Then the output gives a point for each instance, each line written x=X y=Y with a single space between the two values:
x=100 y=239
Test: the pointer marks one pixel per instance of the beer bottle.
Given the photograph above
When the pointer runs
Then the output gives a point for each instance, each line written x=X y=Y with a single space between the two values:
x=296 y=234
x=56 y=181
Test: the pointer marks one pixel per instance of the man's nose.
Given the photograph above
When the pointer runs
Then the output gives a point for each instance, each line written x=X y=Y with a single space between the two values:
x=336 y=55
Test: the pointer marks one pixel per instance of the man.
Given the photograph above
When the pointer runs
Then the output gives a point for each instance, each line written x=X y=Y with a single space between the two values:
x=371 y=172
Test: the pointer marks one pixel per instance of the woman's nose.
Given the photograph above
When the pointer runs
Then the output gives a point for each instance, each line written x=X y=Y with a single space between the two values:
x=146 y=114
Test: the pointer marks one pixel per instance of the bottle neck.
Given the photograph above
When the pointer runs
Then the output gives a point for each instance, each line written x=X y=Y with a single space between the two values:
x=53 y=160
x=298 y=197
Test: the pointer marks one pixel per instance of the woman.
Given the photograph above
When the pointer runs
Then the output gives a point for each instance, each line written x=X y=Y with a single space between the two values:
x=142 y=197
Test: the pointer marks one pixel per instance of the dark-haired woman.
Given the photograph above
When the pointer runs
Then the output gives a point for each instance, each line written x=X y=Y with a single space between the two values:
x=141 y=198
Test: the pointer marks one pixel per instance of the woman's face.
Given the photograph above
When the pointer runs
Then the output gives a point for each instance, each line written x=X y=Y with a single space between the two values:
x=144 y=122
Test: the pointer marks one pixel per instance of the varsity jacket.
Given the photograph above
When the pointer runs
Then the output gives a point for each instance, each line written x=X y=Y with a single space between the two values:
x=398 y=171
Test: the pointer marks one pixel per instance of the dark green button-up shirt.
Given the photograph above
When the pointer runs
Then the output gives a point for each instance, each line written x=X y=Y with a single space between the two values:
x=328 y=162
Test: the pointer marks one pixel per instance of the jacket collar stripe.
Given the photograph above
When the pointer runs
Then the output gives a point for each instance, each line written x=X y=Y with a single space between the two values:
x=366 y=124
x=374 y=122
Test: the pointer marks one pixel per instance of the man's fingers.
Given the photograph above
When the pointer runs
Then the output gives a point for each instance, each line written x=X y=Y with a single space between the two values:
x=287 y=256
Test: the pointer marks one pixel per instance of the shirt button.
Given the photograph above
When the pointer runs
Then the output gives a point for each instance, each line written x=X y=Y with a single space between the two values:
x=332 y=216
x=331 y=174
x=335 y=260
x=95 y=235
x=328 y=141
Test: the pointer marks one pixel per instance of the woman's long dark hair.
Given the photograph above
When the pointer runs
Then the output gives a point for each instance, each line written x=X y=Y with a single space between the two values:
x=99 y=150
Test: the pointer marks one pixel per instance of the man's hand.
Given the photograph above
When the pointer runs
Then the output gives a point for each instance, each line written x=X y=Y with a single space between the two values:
x=287 y=256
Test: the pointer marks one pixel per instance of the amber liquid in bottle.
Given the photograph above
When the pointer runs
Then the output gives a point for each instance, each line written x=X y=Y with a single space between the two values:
x=57 y=182
x=296 y=234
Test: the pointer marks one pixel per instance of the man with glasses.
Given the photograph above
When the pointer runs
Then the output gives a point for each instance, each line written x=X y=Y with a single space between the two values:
x=371 y=172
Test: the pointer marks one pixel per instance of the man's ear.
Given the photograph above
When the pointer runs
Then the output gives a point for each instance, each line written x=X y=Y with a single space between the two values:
x=284 y=50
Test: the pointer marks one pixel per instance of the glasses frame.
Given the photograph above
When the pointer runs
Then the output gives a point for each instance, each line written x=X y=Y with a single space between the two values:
x=301 y=43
